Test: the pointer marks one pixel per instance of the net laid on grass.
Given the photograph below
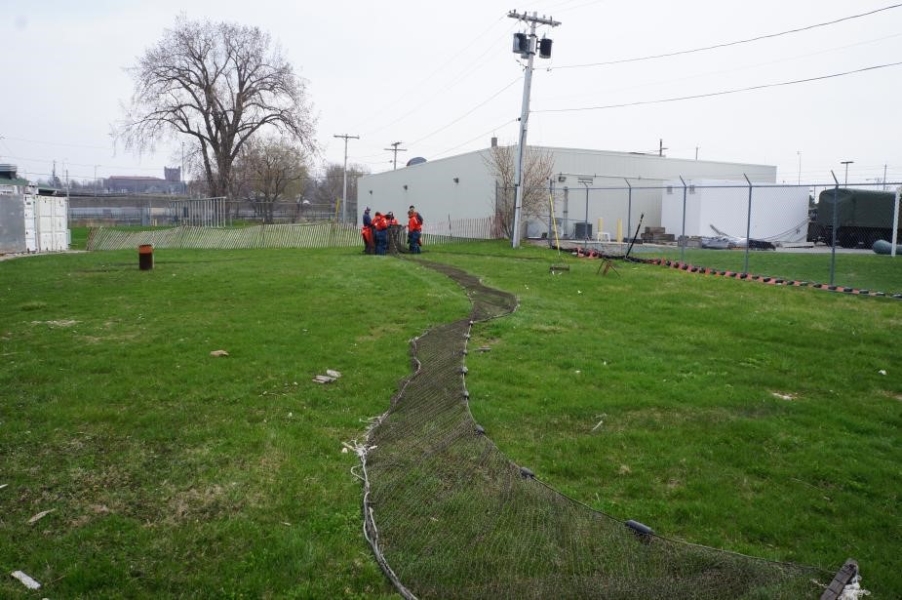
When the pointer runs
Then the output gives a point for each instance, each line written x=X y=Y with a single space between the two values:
x=449 y=516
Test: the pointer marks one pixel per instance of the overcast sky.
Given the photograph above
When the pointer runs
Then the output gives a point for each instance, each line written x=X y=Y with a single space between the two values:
x=442 y=80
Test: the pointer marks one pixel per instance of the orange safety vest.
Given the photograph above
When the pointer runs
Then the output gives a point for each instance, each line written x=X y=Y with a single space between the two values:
x=380 y=223
x=413 y=223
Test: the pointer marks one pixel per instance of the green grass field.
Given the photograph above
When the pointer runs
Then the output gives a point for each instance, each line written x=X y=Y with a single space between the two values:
x=726 y=413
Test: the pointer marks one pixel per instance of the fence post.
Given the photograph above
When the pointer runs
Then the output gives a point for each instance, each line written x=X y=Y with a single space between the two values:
x=835 y=225
x=895 y=236
x=629 y=208
x=550 y=210
x=586 y=221
x=683 y=232
x=566 y=225
x=748 y=226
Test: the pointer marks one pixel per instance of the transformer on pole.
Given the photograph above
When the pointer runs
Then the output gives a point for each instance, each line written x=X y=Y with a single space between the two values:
x=525 y=45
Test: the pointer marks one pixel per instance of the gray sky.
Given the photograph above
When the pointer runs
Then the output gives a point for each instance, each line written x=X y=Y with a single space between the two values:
x=441 y=79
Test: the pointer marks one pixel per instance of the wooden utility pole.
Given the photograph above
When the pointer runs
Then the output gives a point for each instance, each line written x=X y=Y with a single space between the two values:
x=344 y=189
x=525 y=46
x=394 y=149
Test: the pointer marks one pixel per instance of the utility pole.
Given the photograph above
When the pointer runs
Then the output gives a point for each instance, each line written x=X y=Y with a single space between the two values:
x=394 y=149
x=661 y=147
x=344 y=189
x=525 y=46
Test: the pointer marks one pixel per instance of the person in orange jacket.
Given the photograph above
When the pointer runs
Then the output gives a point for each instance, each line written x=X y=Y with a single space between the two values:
x=369 y=240
x=414 y=231
x=380 y=225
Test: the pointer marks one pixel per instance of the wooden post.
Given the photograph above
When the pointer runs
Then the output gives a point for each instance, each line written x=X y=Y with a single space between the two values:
x=843 y=577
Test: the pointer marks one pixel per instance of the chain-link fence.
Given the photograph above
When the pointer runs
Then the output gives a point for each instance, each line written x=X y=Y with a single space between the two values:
x=211 y=231
x=161 y=211
x=827 y=233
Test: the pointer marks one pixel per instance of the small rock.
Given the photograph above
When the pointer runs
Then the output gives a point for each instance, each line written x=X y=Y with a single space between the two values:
x=219 y=353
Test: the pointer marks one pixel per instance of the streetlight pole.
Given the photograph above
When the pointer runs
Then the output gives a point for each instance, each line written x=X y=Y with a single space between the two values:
x=847 y=163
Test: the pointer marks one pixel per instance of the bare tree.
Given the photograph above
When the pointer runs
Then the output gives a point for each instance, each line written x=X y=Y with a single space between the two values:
x=218 y=84
x=538 y=166
x=330 y=186
x=267 y=172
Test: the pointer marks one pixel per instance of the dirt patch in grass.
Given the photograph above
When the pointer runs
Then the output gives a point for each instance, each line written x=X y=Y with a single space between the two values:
x=202 y=504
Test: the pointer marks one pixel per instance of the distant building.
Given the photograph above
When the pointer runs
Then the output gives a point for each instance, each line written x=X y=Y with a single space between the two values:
x=10 y=183
x=170 y=184
x=622 y=185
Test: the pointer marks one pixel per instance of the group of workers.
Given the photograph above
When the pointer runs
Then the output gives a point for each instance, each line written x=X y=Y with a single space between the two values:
x=379 y=229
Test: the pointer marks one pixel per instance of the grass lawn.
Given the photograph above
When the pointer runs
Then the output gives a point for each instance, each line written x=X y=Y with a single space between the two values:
x=732 y=414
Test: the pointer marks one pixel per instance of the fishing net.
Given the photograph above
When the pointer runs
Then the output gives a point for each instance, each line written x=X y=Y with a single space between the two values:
x=449 y=516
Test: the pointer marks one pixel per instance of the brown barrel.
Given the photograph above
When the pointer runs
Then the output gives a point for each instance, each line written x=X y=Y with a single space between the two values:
x=145 y=257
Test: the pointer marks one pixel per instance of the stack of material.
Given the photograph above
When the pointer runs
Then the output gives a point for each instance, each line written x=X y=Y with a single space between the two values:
x=656 y=235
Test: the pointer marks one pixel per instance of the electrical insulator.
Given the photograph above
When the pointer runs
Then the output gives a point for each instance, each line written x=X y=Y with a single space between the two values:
x=545 y=48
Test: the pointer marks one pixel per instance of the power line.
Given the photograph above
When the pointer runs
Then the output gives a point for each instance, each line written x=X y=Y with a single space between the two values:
x=440 y=69
x=720 y=93
x=56 y=143
x=74 y=164
x=362 y=158
x=480 y=136
x=734 y=43
x=469 y=112
x=736 y=69
x=452 y=83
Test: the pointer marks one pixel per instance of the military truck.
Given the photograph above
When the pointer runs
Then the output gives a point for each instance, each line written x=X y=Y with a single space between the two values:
x=862 y=217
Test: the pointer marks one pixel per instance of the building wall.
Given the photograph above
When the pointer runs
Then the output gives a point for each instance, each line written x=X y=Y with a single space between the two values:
x=778 y=213
x=461 y=187
x=30 y=223
x=432 y=188
x=12 y=224
x=611 y=168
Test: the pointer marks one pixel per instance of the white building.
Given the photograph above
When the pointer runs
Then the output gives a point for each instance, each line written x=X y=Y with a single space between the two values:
x=713 y=208
x=30 y=222
x=588 y=186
